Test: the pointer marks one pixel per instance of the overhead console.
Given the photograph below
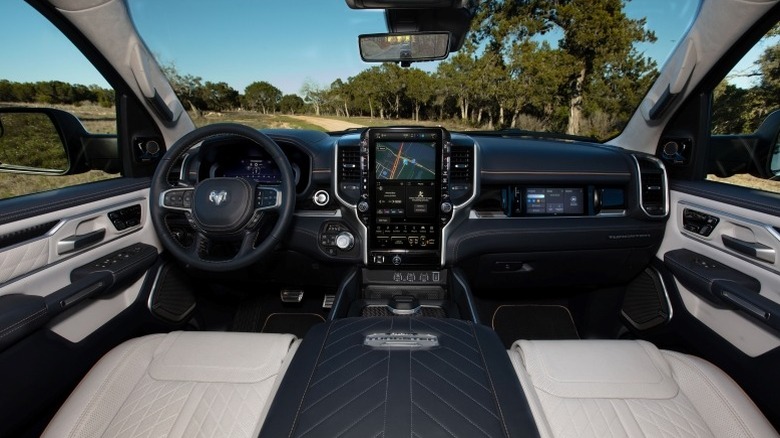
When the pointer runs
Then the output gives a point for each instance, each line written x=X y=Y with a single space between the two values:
x=404 y=194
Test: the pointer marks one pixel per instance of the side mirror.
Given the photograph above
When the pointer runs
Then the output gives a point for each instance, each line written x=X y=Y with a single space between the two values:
x=31 y=143
x=404 y=47
x=47 y=141
x=757 y=154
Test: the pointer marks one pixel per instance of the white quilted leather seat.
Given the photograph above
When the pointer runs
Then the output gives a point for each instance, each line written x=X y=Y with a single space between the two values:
x=181 y=384
x=607 y=389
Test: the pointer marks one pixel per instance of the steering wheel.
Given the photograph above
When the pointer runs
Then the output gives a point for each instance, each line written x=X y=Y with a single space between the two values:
x=222 y=209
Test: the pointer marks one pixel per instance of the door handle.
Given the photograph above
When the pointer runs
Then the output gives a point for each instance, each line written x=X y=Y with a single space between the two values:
x=754 y=250
x=76 y=242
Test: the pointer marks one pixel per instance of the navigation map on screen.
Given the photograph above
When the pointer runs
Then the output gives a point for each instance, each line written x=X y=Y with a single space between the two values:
x=405 y=161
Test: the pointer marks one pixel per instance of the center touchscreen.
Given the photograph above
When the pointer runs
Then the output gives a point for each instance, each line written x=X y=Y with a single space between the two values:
x=405 y=187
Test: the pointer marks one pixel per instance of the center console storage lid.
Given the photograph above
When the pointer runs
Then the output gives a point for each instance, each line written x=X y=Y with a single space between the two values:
x=400 y=376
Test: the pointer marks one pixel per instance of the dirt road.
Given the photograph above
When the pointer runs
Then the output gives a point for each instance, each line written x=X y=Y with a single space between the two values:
x=328 y=124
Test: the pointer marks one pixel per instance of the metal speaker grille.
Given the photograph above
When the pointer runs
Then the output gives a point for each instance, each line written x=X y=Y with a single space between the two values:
x=644 y=304
x=172 y=299
x=430 y=312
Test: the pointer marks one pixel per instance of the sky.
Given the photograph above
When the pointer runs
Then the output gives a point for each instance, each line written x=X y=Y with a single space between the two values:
x=284 y=42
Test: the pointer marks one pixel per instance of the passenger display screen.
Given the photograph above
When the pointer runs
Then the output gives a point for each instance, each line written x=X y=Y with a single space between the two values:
x=405 y=160
x=549 y=201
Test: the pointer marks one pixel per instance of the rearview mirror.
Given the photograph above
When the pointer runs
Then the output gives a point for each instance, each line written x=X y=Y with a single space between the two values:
x=404 y=47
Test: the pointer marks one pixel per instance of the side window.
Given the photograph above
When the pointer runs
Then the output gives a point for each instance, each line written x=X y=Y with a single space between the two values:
x=42 y=75
x=742 y=113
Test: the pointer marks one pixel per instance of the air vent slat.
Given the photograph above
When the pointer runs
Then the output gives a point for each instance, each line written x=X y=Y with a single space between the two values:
x=462 y=164
x=652 y=186
x=461 y=173
x=349 y=162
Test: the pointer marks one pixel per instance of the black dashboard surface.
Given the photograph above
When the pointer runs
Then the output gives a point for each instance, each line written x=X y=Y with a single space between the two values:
x=495 y=230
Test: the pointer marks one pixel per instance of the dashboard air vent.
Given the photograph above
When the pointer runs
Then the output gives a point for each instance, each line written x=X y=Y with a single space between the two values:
x=462 y=165
x=348 y=173
x=461 y=172
x=653 y=190
x=349 y=165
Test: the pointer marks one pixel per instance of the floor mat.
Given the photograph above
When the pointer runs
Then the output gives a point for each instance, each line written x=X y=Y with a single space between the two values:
x=295 y=323
x=513 y=322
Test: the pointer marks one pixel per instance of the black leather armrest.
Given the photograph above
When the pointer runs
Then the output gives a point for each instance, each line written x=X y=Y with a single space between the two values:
x=20 y=315
x=338 y=384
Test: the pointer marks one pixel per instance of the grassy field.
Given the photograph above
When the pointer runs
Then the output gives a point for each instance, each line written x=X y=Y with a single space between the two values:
x=749 y=181
x=453 y=125
x=255 y=120
x=101 y=120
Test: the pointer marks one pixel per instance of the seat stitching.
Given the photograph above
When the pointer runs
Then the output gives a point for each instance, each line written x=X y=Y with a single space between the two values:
x=354 y=423
x=387 y=389
x=447 y=363
x=451 y=336
x=339 y=353
x=449 y=405
x=343 y=405
x=357 y=358
x=714 y=389
x=451 y=324
x=432 y=418
x=457 y=388
x=332 y=343
x=100 y=390
x=329 y=393
x=308 y=383
x=620 y=417
x=26 y=321
x=490 y=380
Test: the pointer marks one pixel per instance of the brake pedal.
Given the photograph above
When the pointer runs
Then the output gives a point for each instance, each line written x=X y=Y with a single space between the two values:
x=291 y=296
x=327 y=302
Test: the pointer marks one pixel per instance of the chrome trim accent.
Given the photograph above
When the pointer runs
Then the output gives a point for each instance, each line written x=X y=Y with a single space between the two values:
x=407 y=340
x=459 y=211
x=709 y=240
x=340 y=293
x=500 y=215
x=154 y=288
x=318 y=213
x=664 y=183
x=317 y=194
x=362 y=229
x=666 y=293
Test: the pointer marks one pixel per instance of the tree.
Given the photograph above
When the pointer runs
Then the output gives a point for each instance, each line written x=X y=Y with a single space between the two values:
x=419 y=89
x=597 y=37
x=455 y=75
x=262 y=96
x=219 y=96
x=340 y=96
x=187 y=88
x=291 y=104
x=314 y=95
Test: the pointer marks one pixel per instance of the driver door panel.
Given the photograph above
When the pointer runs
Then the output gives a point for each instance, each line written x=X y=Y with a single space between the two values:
x=65 y=239
x=44 y=356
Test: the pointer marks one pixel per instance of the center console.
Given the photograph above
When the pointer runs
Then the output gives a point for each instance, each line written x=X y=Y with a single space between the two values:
x=404 y=195
x=404 y=184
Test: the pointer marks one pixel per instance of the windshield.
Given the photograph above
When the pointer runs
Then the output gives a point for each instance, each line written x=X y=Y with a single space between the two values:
x=572 y=67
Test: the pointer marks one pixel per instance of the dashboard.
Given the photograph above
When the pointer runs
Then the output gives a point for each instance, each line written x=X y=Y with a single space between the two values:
x=504 y=210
